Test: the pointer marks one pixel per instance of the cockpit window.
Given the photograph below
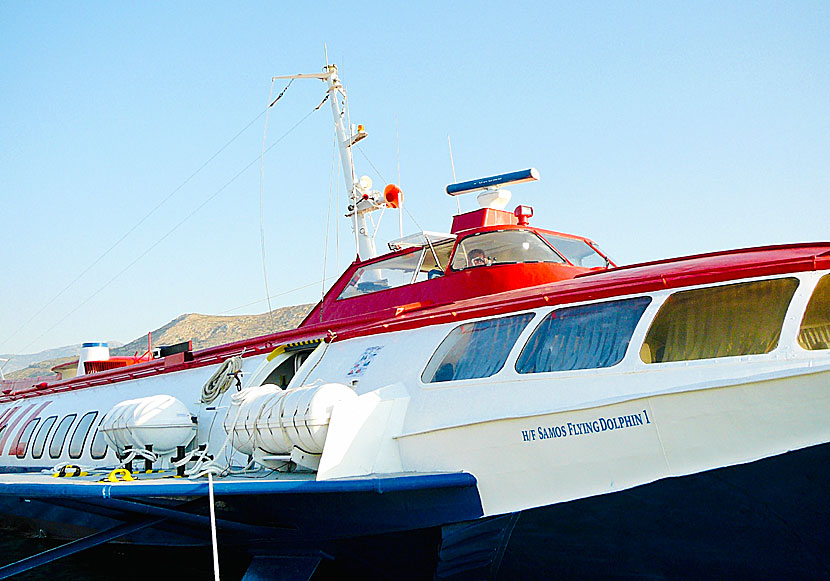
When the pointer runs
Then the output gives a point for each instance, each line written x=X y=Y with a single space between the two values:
x=429 y=267
x=578 y=252
x=398 y=271
x=382 y=275
x=502 y=247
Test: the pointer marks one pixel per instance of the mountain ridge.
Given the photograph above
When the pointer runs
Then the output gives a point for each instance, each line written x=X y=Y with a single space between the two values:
x=203 y=330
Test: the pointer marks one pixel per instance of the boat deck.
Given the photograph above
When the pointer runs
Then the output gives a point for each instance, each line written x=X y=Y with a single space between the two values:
x=271 y=505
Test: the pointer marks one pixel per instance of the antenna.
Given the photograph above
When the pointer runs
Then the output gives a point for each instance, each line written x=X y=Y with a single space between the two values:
x=398 y=156
x=454 y=179
x=362 y=199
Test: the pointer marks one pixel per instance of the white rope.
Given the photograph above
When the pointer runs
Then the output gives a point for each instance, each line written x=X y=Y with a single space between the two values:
x=207 y=465
x=213 y=529
x=196 y=455
x=145 y=454
x=222 y=379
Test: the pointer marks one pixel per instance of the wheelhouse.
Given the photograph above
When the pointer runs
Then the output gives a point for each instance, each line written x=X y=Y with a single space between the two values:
x=429 y=269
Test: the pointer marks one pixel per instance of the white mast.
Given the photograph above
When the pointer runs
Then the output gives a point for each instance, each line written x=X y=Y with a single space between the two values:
x=361 y=198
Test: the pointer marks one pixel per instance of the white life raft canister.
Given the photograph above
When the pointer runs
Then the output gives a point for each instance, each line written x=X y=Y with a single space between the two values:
x=277 y=421
x=160 y=420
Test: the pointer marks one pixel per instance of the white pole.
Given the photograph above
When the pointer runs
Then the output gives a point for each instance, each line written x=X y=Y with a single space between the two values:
x=365 y=244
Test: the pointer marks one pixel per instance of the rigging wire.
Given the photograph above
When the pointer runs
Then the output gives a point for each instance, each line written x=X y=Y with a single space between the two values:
x=171 y=231
x=398 y=160
x=377 y=171
x=328 y=224
x=134 y=227
x=454 y=180
x=288 y=292
x=262 y=190
x=337 y=223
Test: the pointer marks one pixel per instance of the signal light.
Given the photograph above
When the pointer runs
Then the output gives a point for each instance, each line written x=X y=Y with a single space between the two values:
x=523 y=213
x=393 y=196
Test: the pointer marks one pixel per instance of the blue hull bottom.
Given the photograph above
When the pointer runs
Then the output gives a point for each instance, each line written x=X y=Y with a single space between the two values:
x=758 y=520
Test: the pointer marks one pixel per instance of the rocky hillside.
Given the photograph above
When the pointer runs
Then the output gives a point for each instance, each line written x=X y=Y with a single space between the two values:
x=211 y=330
x=203 y=330
x=16 y=362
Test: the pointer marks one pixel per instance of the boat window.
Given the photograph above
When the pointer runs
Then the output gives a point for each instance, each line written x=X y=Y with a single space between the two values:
x=98 y=449
x=578 y=252
x=382 y=275
x=814 y=333
x=582 y=337
x=76 y=444
x=475 y=350
x=502 y=247
x=56 y=445
x=40 y=439
x=431 y=269
x=22 y=443
x=722 y=321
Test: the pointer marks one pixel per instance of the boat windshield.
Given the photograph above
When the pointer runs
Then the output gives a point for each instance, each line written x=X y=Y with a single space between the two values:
x=423 y=264
x=578 y=252
x=502 y=247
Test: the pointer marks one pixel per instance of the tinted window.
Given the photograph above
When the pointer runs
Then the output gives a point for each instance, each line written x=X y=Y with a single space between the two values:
x=502 y=247
x=40 y=440
x=99 y=444
x=723 y=321
x=583 y=337
x=475 y=349
x=814 y=333
x=23 y=440
x=76 y=444
x=56 y=446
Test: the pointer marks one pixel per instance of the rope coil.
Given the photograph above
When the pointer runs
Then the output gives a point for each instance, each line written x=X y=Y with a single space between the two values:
x=222 y=379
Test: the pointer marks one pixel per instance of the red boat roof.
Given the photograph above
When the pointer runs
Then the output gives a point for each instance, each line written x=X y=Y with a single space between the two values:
x=639 y=278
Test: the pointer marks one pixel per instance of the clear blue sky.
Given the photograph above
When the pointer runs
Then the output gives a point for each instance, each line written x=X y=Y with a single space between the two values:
x=659 y=129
